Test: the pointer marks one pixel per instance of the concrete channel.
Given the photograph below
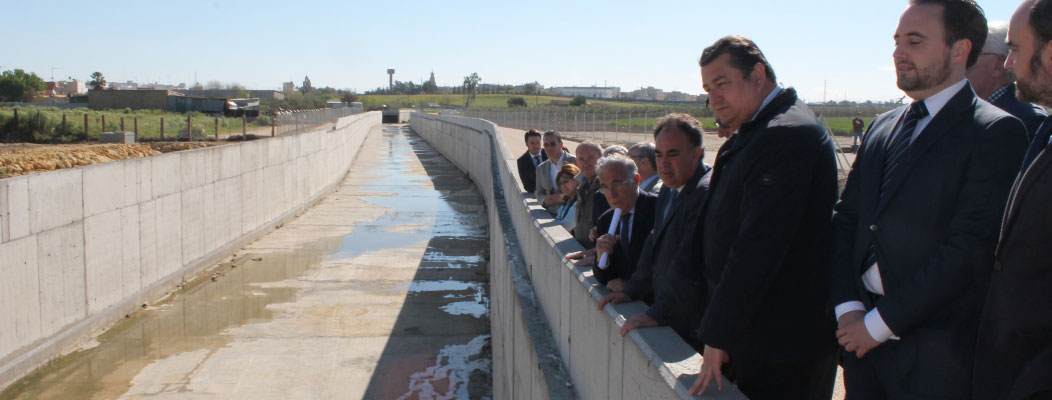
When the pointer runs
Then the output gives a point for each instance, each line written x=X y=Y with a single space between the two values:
x=379 y=291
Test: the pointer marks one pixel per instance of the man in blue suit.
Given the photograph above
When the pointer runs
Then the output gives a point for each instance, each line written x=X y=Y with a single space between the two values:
x=994 y=83
x=916 y=224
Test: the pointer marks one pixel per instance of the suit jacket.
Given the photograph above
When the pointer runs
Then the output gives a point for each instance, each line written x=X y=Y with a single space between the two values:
x=1031 y=115
x=1013 y=357
x=935 y=229
x=654 y=186
x=622 y=262
x=544 y=185
x=528 y=171
x=765 y=238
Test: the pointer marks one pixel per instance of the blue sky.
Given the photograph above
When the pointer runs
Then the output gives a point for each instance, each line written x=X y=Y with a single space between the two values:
x=350 y=44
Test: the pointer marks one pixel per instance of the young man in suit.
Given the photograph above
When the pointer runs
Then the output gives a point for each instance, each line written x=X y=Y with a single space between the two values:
x=765 y=234
x=995 y=83
x=916 y=224
x=619 y=183
x=546 y=191
x=529 y=160
x=1013 y=357
x=679 y=163
x=645 y=157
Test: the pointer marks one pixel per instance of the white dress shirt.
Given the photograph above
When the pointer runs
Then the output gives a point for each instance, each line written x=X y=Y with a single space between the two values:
x=875 y=324
x=556 y=165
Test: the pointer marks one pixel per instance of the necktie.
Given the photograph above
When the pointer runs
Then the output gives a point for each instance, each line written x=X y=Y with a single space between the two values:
x=626 y=232
x=668 y=207
x=1039 y=144
x=898 y=146
x=901 y=142
x=536 y=161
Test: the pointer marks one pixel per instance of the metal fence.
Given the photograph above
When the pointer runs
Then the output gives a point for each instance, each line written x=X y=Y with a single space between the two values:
x=621 y=127
x=288 y=123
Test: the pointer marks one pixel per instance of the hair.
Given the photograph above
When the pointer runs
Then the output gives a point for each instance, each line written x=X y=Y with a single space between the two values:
x=554 y=134
x=531 y=133
x=1041 y=21
x=622 y=163
x=685 y=123
x=590 y=145
x=962 y=19
x=649 y=151
x=567 y=169
x=615 y=149
x=744 y=54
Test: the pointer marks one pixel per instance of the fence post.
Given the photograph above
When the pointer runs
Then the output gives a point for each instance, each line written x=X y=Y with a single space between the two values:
x=103 y=123
x=16 y=117
x=63 y=122
x=244 y=127
x=122 y=124
x=189 y=128
x=217 y=129
x=273 y=125
x=135 y=124
x=162 y=129
x=85 y=125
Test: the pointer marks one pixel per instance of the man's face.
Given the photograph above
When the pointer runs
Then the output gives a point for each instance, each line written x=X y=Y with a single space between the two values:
x=642 y=163
x=986 y=73
x=620 y=190
x=922 y=58
x=1028 y=59
x=586 y=158
x=733 y=97
x=553 y=147
x=533 y=143
x=677 y=158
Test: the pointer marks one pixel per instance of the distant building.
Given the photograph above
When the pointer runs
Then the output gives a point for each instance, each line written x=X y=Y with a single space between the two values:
x=648 y=93
x=63 y=88
x=229 y=94
x=594 y=92
x=288 y=87
x=129 y=85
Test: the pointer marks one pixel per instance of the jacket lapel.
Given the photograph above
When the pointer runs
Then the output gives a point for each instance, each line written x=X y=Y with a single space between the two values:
x=1022 y=185
x=943 y=122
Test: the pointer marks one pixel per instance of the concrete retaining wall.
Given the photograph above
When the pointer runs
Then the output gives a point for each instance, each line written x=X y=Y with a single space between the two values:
x=537 y=298
x=80 y=248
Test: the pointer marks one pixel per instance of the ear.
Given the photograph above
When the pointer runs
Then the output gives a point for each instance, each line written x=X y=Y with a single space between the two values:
x=637 y=179
x=1046 y=56
x=961 y=49
x=759 y=73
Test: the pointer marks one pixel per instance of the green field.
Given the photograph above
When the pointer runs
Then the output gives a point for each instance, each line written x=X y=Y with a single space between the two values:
x=45 y=124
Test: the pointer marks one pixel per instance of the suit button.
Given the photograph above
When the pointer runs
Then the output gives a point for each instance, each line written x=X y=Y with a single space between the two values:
x=873 y=228
x=997 y=265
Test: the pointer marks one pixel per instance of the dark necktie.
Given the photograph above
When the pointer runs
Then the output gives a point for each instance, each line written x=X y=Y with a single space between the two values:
x=668 y=207
x=899 y=144
x=536 y=161
x=626 y=232
x=1039 y=143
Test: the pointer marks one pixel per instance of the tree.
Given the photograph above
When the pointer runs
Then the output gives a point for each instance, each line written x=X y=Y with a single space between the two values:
x=516 y=102
x=579 y=100
x=471 y=82
x=348 y=98
x=17 y=85
x=97 y=82
x=429 y=87
x=531 y=88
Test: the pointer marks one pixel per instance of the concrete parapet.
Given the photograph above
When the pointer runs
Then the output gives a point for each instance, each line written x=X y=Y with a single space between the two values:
x=80 y=248
x=555 y=317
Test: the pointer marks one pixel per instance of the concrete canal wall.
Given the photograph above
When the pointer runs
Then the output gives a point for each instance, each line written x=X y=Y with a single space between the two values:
x=81 y=248
x=549 y=340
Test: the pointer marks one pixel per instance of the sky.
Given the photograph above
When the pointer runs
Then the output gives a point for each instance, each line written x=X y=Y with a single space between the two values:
x=827 y=49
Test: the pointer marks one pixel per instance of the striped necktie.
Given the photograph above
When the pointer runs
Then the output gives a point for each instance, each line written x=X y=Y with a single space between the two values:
x=901 y=142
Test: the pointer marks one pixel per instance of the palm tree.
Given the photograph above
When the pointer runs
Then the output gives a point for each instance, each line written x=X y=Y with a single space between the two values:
x=98 y=82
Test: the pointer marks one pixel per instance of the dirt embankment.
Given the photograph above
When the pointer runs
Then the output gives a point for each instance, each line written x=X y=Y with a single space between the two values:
x=23 y=158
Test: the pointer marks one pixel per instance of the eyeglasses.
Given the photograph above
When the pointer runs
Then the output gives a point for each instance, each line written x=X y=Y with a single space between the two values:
x=604 y=189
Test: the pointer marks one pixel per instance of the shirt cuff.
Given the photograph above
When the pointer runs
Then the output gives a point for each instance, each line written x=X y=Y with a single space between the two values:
x=848 y=306
x=877 y=328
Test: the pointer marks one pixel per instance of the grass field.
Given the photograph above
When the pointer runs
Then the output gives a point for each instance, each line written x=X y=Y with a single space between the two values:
x=45 y=124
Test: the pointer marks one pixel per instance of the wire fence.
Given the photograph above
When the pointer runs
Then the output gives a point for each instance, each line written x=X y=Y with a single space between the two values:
x=616 y=127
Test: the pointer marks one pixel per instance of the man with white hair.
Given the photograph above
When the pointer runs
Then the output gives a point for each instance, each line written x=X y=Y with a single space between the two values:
x=995 y=84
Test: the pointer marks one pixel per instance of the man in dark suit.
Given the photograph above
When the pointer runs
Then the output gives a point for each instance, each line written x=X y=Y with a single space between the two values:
x=994 y=83
x=686 y=181
x=765 y=234
x=916 y=224
x=1013 y=357
x=529 y=160
x=619 y=182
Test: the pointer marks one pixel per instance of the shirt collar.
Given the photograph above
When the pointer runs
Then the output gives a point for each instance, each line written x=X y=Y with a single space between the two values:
x=767 y=100
x=648 y=180
x=937 y=101
x=996 y=95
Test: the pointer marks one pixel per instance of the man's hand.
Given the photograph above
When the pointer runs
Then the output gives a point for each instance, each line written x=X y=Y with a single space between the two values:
x=584 y=258
x=710 y=370
x=615 y=285
x=852 y=334
x=605 y=244
x=641 y=320
x=553 y=199
x=591 y=233
x=614 y=298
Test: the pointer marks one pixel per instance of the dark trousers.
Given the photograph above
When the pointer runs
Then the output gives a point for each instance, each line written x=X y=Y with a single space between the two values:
x=806 y=380
x=873 y=376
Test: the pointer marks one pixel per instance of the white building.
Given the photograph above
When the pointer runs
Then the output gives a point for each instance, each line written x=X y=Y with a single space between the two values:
x=592 y=92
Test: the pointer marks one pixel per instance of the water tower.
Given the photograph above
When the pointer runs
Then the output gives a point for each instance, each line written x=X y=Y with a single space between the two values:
x=390 y=79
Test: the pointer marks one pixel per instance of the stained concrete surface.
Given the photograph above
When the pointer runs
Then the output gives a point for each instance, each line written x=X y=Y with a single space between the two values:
x=378 y=291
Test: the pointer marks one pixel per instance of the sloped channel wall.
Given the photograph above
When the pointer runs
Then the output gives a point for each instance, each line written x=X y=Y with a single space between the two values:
x=542 y=307
x=82 y=247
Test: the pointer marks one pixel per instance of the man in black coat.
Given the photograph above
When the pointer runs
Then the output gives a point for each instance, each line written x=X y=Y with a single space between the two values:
x=529 y=160
x=1013 y=357
x=765 y=233
x=916 y=224
x=994 y=83
x=686 y=181
x=619 y=182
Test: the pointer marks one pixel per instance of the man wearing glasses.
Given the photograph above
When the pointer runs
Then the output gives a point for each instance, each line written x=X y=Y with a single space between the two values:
x=619 y=182
x=546 y=191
